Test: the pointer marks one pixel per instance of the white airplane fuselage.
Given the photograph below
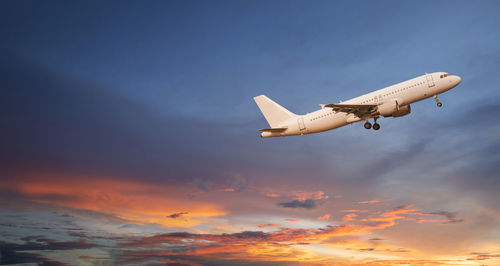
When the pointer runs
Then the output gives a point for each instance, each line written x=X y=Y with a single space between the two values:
x=392 y=101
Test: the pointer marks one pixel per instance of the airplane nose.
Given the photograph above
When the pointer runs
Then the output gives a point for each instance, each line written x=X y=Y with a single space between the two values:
x=459 y=79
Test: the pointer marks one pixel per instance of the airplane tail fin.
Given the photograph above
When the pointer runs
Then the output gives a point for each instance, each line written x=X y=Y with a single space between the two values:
x=274 y=113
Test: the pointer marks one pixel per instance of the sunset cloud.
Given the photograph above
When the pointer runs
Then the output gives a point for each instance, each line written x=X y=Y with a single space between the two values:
x=267 y=225
x=129 y=201
x=369 y=202
x=350 y=217
x=325 y=217
x=176 y=215
x=305 y=204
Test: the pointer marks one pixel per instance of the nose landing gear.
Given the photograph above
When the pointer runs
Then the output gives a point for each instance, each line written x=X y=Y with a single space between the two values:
x=438 y=103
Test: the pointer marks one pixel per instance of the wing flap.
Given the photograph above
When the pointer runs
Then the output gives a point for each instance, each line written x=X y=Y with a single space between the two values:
x=359 y=110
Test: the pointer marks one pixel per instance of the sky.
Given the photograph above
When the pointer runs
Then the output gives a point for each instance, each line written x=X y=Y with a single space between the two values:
x=129 y=134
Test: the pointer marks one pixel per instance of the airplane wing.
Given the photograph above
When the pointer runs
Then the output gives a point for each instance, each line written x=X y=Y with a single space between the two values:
x=277 y=129
x=360 y=110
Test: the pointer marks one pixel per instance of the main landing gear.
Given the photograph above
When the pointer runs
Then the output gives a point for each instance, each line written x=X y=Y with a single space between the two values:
x=376 y=126
x=438 y=103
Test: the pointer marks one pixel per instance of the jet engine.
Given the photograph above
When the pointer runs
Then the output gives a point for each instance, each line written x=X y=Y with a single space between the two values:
x=393 y=108
x=388 y=108
x=403 y=110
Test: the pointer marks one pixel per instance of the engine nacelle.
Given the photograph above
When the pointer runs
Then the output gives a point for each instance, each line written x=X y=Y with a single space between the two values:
x=388 y=108
x=403 y=110
x=393 y=108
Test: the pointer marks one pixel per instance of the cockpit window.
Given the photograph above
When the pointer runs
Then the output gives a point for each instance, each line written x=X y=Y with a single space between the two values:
x=445 y=75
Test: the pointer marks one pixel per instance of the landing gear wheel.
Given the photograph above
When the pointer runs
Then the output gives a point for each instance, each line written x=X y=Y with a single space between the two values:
x=368 y=125
x=376 y=126
x=439 y=104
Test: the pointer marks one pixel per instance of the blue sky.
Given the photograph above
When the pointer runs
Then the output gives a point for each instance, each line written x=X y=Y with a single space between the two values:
x=153 y=101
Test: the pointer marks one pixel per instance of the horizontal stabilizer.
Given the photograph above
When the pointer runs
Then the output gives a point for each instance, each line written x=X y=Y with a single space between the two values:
x=278 y=129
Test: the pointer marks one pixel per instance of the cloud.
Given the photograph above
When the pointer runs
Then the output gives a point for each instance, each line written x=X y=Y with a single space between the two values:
x=255 y=246
x=267 y=225
x=44 y=243
x=350 y=217
x=325 y=217
x=304 y=195
x=369 y=202
x=483 y=256
x=305 y=204
x=354 y=211
x=176 y=215
x=252 y=237
x=303 y=199
x=109 y=199
x=450 y=216
x=10 y=255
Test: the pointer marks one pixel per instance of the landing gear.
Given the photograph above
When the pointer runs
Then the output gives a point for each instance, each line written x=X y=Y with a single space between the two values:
x=438 y=103
x=376 y=126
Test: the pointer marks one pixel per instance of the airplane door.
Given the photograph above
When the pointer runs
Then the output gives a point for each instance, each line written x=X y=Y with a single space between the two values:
x=302 y=126
x=430 y=81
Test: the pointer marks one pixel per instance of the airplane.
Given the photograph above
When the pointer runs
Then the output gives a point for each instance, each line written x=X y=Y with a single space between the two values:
x=392 y=101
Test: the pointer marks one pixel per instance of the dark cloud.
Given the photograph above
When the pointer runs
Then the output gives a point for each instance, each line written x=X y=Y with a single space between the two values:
x=247 y=237
x=12 y=256
x=450 y=216
x=77 y=234
x=483 y=256
x=11 y=253
x=103 y=216
x=176 y=215
x=44 y=243
x=305 y=204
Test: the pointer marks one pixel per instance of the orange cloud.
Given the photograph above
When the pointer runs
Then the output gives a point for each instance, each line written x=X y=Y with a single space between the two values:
x=369 y=202
x=300 y=195
x=354 y=210
x=267 y=225
x=350 y=217
x=135 y=202
x=325 y=217
x=305 y=195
